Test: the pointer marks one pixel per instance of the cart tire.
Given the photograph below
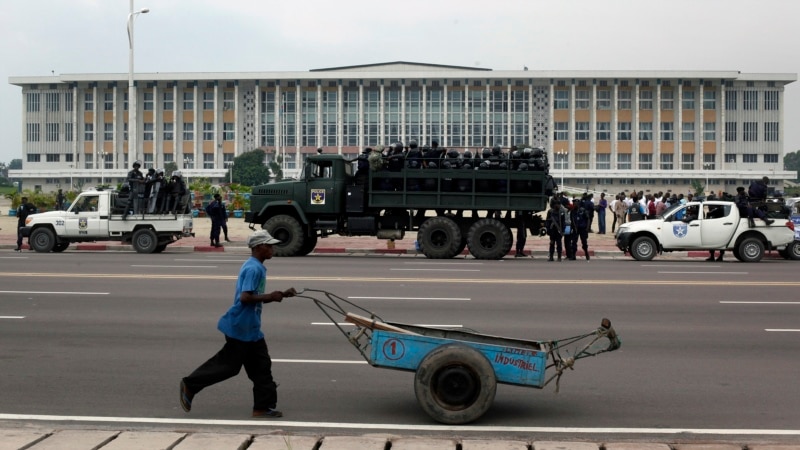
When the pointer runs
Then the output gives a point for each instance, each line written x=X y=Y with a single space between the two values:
x=289 y=231
x=455 y=384
x=439 y=238
x=489 y=239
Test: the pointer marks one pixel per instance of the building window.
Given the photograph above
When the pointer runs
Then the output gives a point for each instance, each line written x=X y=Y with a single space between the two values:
x=53 y=157
x=771 y=158
x=52 y=130
x=709 y=131
x=34 y=157
x=125 y=131
x=581 y=131
x=168 y=158
x=208 y=160
x=730 y=100
x=645 y=161
x=561 y=100
x=168 y=100
x=750 y=131
x=730 y=157
x=148 y=131
x=623 y=161
x=624 y=131
x=68 y=100
x=88 y=132
x=208 y=100
x=667 y=131
x=561 y=131
x=582 y=99
x=687 y=133
x=603 y=161
x=188 y=131
x=108 y=132
x=771 y=131
x=645 y=131
x=88 y=163
x=228 y=102
x=32 y=102
x=750 y=101
x=730 y=131
x=604 y=99
x=709 y=162
x=52 y=101
x=624 y=99
x=750 y=158
x=169 y=131
x=603 y=131
x=667 y=161
x=228 y=133
x=667 y=99
x=69 y=135
x=148 y=160
x=645 y=99
x=108 y=101
x=125 y=101
x=581 y=161
x=709 y=99
x=688 y=100
x=208 y=131
x=687 y=161
x=188 y=100
x=771 y=100
x=148 y=101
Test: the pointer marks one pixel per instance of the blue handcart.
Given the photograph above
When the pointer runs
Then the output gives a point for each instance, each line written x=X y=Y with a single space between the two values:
x=456 y=371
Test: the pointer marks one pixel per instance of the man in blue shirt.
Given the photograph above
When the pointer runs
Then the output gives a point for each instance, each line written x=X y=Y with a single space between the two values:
x=244 y=341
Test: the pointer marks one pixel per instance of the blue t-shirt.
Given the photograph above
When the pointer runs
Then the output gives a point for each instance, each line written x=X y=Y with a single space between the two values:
x=243 y=321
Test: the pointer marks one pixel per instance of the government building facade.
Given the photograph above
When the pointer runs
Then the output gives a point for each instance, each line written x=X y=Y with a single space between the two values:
x=609 y=131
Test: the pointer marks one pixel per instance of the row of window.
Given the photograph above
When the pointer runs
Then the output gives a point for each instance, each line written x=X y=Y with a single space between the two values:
x=603 y=131
x=645 y=161
x=53 y=101
x=148 y=161
x=750 y=99
x=53 y=132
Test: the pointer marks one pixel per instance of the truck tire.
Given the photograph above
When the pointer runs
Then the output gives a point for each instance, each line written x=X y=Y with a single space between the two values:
x=643 y=249
x=288 y=230
x=309 y=243
x=455 y=384
x=43 y=240
x=736 y=254
x=793 y=251
x=751 y=249
x=439 y=238
x=60 y=247
x=144 y=240
x=489 y=239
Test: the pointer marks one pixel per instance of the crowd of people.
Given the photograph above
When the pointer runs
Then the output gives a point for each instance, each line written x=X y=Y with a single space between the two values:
x=153 y=193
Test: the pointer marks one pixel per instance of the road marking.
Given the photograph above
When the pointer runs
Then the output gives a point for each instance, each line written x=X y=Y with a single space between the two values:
x=444 y=263
x=441 y=270
x=318 y=361
x=175 y=267
x=210 y=260
x=347 y=324
x=679 y=265
x=54 y=292
x=388 y=426
x=444 y=299
x=762 y=303
x=781 y=330
x=12 y=317
x=708 y=273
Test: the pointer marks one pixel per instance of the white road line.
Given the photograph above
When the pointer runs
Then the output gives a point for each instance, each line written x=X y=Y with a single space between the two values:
x=442 y=270
x=679 y=265
x=388 y=426
x=210 y=260
x=346 y=324
x=781 y=330
x=54 y=292
x=175 y=267
x=444 y=263
x=761 y=303
x=318 y=361
x=708 y=273
x=12 y=317
x=445 y=299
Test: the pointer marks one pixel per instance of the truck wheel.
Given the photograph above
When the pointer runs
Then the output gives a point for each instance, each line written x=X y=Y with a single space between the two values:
x=455 y=384
x=144 y=241
x=736 y=254
x=751 y=250
x=489 y=239
x=288 y=230
x=309 y=243
x=793 y=251
x=43 y=240
x=60 y=247
x=643 y=249
x=439 y=238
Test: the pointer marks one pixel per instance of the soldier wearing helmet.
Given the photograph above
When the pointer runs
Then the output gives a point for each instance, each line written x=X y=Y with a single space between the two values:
x=136 y=182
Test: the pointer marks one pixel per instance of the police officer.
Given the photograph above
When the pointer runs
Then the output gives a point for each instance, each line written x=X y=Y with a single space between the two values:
x=23 y=211
x=215 y=211
x=136 y=182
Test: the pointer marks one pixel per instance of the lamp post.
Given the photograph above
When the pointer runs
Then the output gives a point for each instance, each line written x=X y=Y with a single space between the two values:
x=131 y=87
x=101 y=156
x=563 y=156
x=707 y=167
x=230 y=168
x=71 y=185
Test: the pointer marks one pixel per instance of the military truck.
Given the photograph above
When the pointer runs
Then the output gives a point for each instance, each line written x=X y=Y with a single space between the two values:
x=450 y=209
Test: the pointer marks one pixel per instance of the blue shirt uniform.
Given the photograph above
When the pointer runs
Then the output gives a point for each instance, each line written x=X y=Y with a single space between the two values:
x=243 y=321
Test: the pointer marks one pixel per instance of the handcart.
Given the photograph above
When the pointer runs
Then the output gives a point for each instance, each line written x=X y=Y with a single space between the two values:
x=457 y=371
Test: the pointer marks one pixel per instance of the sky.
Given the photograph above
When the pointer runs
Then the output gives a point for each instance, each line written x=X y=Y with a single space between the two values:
x=45 y=37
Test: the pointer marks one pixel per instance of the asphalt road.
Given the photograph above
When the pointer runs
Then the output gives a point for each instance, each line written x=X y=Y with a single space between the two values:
x=706 y=346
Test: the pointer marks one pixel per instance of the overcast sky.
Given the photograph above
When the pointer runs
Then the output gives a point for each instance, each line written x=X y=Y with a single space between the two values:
x=40 y=37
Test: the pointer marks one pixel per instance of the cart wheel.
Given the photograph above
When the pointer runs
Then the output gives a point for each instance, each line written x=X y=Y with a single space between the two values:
x=455 y=384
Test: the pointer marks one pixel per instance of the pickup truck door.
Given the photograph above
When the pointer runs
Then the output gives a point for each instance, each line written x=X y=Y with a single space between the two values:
x=675 y=233
x=718 y=224
x=84 y=218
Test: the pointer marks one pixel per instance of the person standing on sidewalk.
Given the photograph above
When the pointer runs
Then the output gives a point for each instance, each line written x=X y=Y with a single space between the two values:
x=244 y=340
x=215 y=212
x=23 y=211
x=602 y=205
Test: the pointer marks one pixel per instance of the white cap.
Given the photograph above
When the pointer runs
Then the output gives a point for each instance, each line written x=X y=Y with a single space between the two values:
x=261 y=237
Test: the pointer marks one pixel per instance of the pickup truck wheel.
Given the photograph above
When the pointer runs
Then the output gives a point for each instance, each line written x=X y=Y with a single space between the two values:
x=43 y=240
x=309 y=243
x=643 y=249
x=793 y=251
x=144 y=241
x=288 y=230
x=736 y=254
x=489 y=239
x=751 y=250
x=439 y=238
x=455 y=384
x=60 y=247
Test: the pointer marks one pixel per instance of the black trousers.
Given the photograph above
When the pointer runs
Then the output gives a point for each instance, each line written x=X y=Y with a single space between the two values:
x=227 y=363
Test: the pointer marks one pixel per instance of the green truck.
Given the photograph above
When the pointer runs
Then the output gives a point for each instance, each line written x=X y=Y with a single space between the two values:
x=474 y=208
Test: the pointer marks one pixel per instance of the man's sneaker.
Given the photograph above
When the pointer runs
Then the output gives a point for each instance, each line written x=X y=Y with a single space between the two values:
x=272 y=412
x=186 y=397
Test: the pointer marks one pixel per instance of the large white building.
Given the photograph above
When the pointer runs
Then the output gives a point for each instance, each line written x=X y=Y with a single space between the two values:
x=604 y=130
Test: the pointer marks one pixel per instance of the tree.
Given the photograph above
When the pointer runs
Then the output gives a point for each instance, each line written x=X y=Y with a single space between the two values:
x=791 y=161
x=698 y=187
x=15 y=164
x=250 y=168
x=169 y=168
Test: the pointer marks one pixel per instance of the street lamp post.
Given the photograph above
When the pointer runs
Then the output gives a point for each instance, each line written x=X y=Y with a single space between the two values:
x=230 y=168
x=563 y=157
x=131 y=87
x=102 y=157
x=707 y=167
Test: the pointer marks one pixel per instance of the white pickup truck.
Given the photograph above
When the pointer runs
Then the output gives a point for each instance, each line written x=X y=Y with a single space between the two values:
x=97 y=216
x=710 y=225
